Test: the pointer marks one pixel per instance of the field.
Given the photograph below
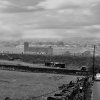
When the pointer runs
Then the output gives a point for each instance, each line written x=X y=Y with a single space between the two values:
x=22 y=85
x=75 y=61
x=72 y=62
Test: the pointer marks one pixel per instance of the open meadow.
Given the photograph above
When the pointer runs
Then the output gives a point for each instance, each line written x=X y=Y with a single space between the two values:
x=20 y=85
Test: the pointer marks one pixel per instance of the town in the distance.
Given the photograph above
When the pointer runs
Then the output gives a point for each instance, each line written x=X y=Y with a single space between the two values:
x=75 y=46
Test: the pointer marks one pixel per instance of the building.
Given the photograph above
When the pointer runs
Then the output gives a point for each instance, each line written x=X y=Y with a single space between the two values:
x=59 y=50
x=86 y=53
x=38 y=49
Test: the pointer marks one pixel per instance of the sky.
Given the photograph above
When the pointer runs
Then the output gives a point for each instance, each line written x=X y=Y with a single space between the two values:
x=22 y=19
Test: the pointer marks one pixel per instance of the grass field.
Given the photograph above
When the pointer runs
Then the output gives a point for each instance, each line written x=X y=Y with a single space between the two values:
x=24 y=85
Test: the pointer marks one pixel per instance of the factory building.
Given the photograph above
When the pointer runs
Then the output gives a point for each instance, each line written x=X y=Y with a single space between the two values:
x=38 y=49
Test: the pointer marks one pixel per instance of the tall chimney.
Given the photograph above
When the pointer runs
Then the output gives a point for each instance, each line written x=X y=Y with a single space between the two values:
x=26 y=46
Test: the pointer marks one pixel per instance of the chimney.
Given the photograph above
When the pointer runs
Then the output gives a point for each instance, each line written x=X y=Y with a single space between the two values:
x=26 y=46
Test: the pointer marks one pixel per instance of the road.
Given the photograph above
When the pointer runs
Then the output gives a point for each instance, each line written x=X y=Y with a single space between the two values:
x=96 y=90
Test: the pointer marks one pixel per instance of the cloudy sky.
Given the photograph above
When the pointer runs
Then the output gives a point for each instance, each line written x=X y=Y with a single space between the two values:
x=49 y=18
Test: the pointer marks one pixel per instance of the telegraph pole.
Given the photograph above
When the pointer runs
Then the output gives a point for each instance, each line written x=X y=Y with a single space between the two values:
x=94 y=62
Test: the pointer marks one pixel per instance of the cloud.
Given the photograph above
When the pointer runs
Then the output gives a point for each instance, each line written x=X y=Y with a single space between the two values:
x=9 y=31
x=4 y=4
x=63 y=19
x=92 y=27
x=5 y=27
x=15 y=6
x=59 y=18
x=30 y=7
x=41 y=33
x=58 y=4
x=96 y=10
